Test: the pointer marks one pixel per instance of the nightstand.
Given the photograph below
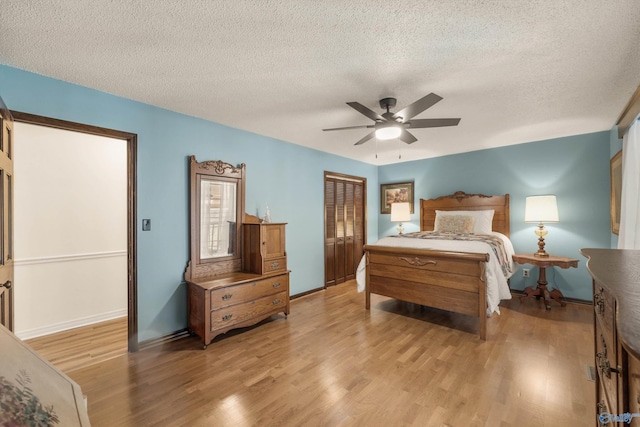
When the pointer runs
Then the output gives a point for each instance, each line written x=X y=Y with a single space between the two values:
x=542 y=263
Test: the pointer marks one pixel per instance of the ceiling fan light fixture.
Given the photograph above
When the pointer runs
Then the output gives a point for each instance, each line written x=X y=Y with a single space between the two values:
x=388 y=132
x=390 y=125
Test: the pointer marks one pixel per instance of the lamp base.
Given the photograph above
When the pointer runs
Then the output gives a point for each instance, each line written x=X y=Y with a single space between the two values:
x=400 y=228
x=541 y=252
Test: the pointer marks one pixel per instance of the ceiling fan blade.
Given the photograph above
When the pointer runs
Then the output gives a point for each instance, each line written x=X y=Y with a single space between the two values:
x=407 y=137
x=351 y=127
x=418 y=107
x=366 y=138
x=432 y=123
x=367 y=112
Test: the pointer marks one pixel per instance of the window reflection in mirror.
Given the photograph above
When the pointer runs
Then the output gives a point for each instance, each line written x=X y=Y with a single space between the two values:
x=217 y=218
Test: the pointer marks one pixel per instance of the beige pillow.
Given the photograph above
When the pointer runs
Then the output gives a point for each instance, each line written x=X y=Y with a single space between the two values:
x=484 y=219
x=457 y=224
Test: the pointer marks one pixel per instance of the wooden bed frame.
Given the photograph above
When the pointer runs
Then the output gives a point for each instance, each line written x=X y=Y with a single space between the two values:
x=453 y=281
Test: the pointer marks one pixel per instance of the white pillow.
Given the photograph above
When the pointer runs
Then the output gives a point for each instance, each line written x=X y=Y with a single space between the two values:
x=483 y=219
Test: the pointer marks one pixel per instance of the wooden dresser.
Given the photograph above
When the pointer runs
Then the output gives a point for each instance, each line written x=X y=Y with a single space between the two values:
x=616 y=300
x=228 y=301
x=235 y=300
x=237 y=272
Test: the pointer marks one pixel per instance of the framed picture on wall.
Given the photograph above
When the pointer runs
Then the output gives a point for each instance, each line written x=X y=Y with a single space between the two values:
x=395 y=193
x=616 y=191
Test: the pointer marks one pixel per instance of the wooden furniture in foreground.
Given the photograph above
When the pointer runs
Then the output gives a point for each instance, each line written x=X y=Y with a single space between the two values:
x=453 y=281
x=616 y=304
x=33 y=391
x=543 y=263
x=237 y=275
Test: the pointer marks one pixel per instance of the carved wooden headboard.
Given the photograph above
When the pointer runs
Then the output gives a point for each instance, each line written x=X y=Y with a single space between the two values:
x=460 y=201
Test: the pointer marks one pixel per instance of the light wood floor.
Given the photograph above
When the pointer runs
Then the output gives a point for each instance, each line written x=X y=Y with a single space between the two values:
x=81 y=347
x=333 y=363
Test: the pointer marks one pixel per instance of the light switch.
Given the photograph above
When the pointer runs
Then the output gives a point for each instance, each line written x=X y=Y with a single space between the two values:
x=146 y=225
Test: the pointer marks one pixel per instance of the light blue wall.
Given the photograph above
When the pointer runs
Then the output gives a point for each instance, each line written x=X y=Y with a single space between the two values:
x=287 y=177
x=576 y=169
x=615 y=146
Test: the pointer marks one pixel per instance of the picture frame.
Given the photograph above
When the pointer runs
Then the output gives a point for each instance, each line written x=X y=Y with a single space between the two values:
x=394 y=193
x=616 y=191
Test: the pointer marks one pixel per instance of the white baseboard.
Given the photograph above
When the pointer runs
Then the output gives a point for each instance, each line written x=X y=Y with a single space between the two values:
x=70 y=324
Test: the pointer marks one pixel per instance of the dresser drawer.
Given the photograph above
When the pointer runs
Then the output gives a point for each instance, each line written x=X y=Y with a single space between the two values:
x=606 y=360
x=604 y=306
x=237 y=294
x=276 y=283
x=274 y=264
x=231 y=315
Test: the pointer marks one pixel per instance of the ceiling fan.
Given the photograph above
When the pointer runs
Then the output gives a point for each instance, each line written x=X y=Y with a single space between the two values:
x=394 y=125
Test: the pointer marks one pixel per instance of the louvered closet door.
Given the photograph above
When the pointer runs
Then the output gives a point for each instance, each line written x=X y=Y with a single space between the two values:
x=344 y=228
x=349 y=231
x=329 y=232
x=340 y=232
x=359 y=224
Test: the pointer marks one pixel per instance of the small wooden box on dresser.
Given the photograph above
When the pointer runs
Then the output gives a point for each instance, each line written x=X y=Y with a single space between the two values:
x=264 y=247
x=616 y=300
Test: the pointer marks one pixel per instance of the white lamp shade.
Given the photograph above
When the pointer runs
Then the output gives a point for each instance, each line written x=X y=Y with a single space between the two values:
x=388 y=132
x=400 y=212
x=541 y=209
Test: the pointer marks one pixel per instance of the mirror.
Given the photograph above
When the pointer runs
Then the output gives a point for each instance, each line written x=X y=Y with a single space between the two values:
x=216 y=208
x=217 y=218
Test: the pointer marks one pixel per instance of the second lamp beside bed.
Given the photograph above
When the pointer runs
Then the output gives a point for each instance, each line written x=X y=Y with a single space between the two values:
x=400 y=212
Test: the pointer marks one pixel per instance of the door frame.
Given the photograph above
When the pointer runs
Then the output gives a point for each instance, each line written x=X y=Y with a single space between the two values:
x=132 y=150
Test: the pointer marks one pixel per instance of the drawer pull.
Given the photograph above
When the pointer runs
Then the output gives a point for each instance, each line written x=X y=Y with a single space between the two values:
x=227 y=317
x=226 y=296
x=276 y=301
x=598 y=300
x=276 y=284
x=275 y=264
x=605 y=366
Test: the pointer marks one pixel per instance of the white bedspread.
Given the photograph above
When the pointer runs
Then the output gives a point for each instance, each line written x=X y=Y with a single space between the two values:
x=497 y=286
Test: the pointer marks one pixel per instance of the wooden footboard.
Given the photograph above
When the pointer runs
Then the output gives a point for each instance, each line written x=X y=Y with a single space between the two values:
x=453 y=281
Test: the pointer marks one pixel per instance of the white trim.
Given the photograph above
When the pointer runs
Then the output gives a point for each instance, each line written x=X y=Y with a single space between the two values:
x=67 y=258
x=71 y=324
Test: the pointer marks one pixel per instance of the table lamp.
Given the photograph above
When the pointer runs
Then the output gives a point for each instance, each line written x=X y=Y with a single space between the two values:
x=541 y=209
x=400 y=212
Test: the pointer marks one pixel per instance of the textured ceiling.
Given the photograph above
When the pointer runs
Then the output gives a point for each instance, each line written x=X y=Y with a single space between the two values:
x=513 y=71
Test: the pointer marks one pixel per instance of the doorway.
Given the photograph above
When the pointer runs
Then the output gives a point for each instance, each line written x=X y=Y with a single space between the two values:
x=131 y=148
x=345 y=224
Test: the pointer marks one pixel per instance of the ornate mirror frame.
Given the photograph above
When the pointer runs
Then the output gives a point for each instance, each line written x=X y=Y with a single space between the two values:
x=218 y=171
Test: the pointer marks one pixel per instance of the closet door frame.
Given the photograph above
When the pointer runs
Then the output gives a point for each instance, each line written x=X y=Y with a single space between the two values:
x=328 y=267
